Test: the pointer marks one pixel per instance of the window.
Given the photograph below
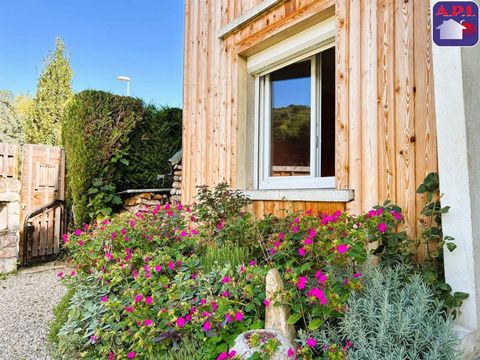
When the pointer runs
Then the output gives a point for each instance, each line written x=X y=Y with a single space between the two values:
x=296 y=122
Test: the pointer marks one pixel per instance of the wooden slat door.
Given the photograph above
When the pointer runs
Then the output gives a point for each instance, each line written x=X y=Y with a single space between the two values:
x=43 y=181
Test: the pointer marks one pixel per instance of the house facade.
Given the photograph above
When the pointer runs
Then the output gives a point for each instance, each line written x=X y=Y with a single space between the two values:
x=328 y=105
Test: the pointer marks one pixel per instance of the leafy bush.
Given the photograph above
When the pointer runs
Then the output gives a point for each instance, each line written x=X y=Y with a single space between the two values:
x=396 y=317
x=60 y=314
x=155 y=139
x=95 y=127
x=113 y=143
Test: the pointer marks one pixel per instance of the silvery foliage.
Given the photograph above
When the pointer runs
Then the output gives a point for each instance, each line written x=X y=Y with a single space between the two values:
x=396 y=317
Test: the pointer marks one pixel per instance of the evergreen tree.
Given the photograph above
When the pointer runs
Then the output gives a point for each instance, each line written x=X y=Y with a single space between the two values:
x=10 y=124
x=42 y=120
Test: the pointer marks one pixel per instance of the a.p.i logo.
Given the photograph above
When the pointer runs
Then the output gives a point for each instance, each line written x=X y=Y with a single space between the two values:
x=455 y=23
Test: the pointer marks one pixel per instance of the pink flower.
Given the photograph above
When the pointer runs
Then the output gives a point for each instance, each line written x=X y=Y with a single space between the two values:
x=356 y=275
x=348 y=344
x=65 y=238
x=110 y=356
x=232 y=354
x=149 y=300
x=179 y=207
x=73 y=273
x=342 y=248
x=321 y=277
x=129 y=309
x=93 y=339
x=85 y=227
x=251 y=263
x=311 y=342
x=397 y=216
x=312 y=233
x=148 y=322
x=301 y=252
x=180 y=322
x=290 y=352
x=226 y=279
x=171 y=265
x=77 y=232
x=295 y=229
x=193 y=276
x=214 y=306
x=319 y=294
x=302 y=280
x=80 y=242
x=226 y=294
x=131 y=355
x=104 y=298
x=239 y=316
x=138 y=298
x=307 y=241
x=382 y=227
x=222 y=356
x=166 y=207
x=220 y=225
x=228 y=318
x=60 y=274
x=207 y=326
x=277 y=244
x=266 y=303
x=281 y=236
x=157 y=268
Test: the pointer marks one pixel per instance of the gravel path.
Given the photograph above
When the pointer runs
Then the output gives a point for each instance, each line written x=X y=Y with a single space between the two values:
x=26 y=302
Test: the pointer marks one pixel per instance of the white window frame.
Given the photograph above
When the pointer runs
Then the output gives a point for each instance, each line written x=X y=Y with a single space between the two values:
x=305 y=45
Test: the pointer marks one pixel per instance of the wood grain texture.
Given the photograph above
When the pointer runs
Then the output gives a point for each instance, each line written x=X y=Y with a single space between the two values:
x=385 y=121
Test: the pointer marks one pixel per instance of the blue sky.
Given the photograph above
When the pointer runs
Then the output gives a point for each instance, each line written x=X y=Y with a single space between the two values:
x=142 y=39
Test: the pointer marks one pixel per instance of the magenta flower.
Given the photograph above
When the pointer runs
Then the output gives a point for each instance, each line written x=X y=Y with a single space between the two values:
x=397 y=216
x=356 y=275
x=214 y=306
x=148 y=322
x=239 y=316
x=277 y=244
x=179 y=207
x=226 y=294
x=157 y=268
x=308 y=241
x=321 y=277
x=180 y=322
x=312 y=233
x=226 y=279
x=281 y=236
x=311 y=342
x=93 y=339
x=319 y=294
x=80 y=242
x=171 y=265
x=104 y=298
x=129 y=309
x=77 y=232
x=60 y=274
x=295 y=229
x=149 y=300
x=138 y=298
x=73 y=273
x=228 y=318
x=302 y=280
x=290 y=352
x=222 y=356
x=166 y=207
x=232 y=354
x=251 y=263
x=342 y=249
x=207 y=326
x=131 y=355
x=65 y=238
x=382 y=227
x=301 y=252
x=266 y=303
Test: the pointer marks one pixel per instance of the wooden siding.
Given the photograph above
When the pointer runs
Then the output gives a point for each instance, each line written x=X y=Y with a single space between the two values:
x=385 y=132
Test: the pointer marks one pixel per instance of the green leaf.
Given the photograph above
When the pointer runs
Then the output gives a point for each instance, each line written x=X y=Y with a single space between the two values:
x=294 y=318
x=451 y=246
x=315 y=324
x=461 y=295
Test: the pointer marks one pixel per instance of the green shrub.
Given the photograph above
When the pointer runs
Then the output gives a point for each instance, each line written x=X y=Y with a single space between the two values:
x=397 y=317
x=96 y=126
x=155 y=139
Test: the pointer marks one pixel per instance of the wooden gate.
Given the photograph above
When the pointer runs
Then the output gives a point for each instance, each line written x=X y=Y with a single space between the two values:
x=42 y=207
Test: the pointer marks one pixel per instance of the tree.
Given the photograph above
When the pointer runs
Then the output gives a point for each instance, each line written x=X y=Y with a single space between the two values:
x=42 y=119
x=10 y=120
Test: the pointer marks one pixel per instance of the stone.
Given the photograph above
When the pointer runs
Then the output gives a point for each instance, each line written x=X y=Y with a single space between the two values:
x=244 y=348
x=14 y=186
x=8 y=265
x=276 y=317
x=8 y=252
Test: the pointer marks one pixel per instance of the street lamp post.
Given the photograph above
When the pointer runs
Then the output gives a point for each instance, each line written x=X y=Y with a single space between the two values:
x=127 y=80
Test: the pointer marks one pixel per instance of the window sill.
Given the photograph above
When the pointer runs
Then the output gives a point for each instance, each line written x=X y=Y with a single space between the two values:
x=323 y=195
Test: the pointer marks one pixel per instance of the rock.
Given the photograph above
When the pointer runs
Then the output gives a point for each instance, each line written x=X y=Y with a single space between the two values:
x=244 y=348
x=276 y=317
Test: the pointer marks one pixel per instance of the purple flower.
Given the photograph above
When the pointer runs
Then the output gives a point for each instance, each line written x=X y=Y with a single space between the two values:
x=311 y=342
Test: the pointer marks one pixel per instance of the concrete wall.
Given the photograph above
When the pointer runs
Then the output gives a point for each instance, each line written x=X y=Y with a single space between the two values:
x=9 y=223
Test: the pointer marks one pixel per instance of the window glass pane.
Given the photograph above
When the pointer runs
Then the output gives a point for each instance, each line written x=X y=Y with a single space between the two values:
x=328 y=113
x=290 y=120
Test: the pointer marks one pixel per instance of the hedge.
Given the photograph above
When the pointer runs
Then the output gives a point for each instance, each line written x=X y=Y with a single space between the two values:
x=113 y=143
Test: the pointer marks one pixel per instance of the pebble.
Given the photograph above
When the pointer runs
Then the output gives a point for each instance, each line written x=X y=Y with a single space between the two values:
x=26 y=302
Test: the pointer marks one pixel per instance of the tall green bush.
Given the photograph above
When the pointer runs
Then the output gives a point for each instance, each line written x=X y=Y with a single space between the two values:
x=96 y=127
x=155 y=139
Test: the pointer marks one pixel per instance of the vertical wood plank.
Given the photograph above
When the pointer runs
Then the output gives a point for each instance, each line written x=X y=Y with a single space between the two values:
x=342 y=126
x=369 y=177
x=386 y=105
x=355 y=105
x=404 y=110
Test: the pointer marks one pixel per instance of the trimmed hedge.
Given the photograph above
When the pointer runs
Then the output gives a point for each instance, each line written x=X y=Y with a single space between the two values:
x=113 y=143
x=155 y=139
